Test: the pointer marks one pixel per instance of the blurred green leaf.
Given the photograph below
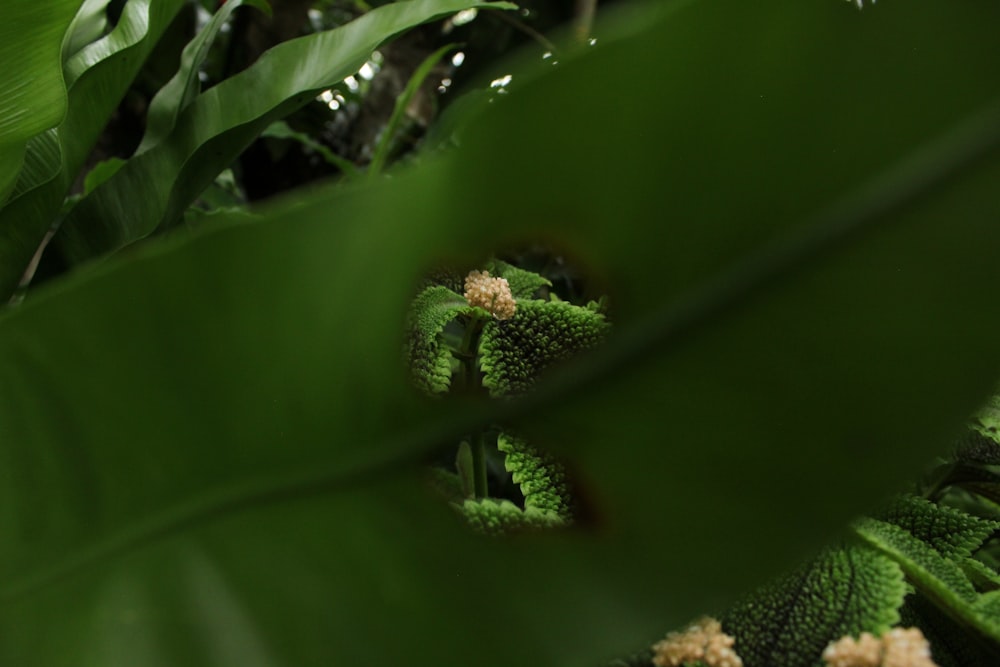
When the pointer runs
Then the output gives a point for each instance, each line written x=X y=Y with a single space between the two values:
x=97 y=78
x=154 y=188
x=209 y=448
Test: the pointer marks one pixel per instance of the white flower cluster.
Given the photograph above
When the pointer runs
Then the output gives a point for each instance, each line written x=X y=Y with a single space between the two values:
x=492 y=294
x=899 y=647
x=860 y=3
x=702 y=641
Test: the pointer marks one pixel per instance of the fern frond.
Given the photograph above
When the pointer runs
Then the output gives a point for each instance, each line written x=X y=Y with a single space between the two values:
x=936 y=577
x=429 y=360
x=923 y=564
x=951 y=644
x=844 y=591
x=523 y=284
x=540 y=477
x=514 y=352
x=491 y=516
x=951 y=532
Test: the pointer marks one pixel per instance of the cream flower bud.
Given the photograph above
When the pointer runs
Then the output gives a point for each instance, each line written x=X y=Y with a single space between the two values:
x=899 y=647
x=492 y=294
x=702 y=641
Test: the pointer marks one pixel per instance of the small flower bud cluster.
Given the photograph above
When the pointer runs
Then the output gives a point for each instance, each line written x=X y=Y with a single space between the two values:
x=702 y=641
x=860 y=3
x=899 y=647
x=492 y=294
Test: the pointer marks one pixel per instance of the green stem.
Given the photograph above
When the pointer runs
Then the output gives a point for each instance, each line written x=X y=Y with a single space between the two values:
x=481 y=483
x=468 y=383
x=468 y=352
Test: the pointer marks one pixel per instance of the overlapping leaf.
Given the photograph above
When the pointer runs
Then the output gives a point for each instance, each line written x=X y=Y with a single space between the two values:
x=97 y=77
x=33 y=95
x=156 y=186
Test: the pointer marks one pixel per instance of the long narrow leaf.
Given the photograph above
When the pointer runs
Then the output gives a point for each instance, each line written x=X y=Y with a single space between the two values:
x=156 y=186
x=178 y=93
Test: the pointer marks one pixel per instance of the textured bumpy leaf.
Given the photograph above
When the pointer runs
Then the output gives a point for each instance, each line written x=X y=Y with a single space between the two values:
x=934 y=576
x=924 y=565
x=514 y=353
x=951 y=532
x=155 y=188
x=209 y=448
x=429 y=360
x=523 y=284
x=540 y=477
x=987 y=421
x=951 y=644
x=978 y=448
x=844 y=591
x=490 y=516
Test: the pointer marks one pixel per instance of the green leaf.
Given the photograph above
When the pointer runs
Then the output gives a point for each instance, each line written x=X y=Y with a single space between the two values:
x=155 y=188
x=541 y=479
x=32 y=94
x=388 y=136
x=280 y=130
x=97 y=78
x=427 y=357
x=987 y=421
x=514 y=353
x=101 y=172
x=87 y=27
x=941 y=580
x=952 y=645
x=931 y=572
x=843 y=591
x=208 y=447
x=949 y=531
x=184 y=86
x=523 y=284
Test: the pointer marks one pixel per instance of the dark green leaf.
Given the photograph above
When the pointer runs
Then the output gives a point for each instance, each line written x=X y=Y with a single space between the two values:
x=514 y=353
x=952 y=533
x=844 y=591
x=429 y=359
x=204 y=444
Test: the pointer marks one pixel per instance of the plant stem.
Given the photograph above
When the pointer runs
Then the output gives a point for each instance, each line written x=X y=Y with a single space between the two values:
x=468 y=382
x=468 y=352
x=481 y=484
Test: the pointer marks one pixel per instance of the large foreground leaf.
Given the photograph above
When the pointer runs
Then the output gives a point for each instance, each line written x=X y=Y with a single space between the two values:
x=208 y=450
